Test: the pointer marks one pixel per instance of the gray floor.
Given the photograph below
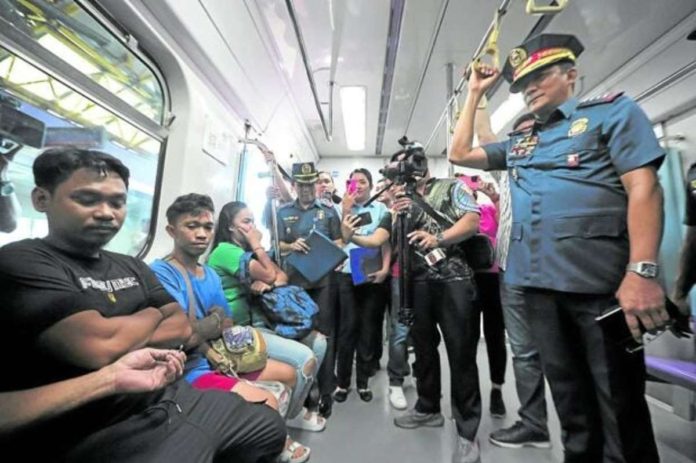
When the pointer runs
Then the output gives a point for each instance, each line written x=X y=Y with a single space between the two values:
x=360 y=432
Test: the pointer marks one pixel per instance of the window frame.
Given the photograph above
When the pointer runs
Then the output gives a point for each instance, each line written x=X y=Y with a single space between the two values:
x=19 y=43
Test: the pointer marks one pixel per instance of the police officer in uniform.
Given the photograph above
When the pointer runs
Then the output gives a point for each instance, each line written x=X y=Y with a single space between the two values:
x=587 y=222
x=296 y=221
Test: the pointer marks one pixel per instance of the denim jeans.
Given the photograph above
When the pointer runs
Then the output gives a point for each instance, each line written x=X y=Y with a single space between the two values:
x=297 y=354
x=529 y=378
x=397 y=366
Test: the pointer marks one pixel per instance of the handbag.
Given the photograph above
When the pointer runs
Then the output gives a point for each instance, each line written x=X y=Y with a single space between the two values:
x=478 y=249
x=239 y=349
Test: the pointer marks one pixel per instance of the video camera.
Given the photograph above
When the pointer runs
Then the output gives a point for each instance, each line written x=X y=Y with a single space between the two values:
x=414 y=163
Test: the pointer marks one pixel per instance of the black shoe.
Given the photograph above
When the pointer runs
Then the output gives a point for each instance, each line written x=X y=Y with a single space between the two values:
x=518 y=436
x=497 y=406
x=365 y=394
x=326 y=406
x=340 y=394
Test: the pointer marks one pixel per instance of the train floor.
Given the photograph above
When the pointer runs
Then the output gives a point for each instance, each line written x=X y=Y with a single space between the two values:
x=360 y=432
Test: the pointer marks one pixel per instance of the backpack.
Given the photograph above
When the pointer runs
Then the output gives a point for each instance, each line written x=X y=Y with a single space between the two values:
x=288 y=310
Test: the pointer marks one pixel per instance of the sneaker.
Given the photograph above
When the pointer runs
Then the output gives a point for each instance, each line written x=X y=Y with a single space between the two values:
x=497 y=406
x=340 y=394
x=414 y=419
x=365 y=394
x=518 y=435
x=397 y=399
x=466 y=451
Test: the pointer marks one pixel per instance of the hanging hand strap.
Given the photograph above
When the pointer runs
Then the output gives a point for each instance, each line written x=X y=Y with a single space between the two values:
x=533 y=8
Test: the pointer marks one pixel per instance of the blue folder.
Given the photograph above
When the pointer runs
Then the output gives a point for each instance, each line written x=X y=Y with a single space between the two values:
x=323 y=257
x=364 y=261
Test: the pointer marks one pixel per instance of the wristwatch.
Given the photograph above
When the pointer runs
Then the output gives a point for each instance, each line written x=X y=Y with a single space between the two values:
x=6 y=188
x=440 y=237
x=646 y=269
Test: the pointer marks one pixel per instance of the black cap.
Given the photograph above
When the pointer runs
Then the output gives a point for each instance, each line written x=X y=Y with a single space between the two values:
x=304 y=172
x=537 y=53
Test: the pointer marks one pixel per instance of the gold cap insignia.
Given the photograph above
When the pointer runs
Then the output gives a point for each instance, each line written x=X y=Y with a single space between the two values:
x=517 y=57
x=306 y=169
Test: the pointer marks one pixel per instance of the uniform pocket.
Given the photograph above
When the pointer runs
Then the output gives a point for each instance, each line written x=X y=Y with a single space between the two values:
x=589 y=226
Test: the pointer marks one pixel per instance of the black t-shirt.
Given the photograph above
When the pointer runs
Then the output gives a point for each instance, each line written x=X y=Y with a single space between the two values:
x=690 y=216
x=42 y=285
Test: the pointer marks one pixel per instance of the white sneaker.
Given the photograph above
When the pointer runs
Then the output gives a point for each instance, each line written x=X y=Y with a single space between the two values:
x=397 y=399
x=466 y=451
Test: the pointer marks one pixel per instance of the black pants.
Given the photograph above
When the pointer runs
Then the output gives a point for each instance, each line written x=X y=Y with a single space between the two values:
x=598 y=387
x=488 y=300
x=449 y=305
x=362 y=309
x=326 y=324
x=191 y=426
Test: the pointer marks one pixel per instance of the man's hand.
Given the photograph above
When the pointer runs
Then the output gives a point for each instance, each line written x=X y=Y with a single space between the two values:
x=482 y=78
x=258 y=287
x=643 y=300
x=422 y=239
x=146 y=370
x=300 y=245
x=401 y=201
x=379 y=276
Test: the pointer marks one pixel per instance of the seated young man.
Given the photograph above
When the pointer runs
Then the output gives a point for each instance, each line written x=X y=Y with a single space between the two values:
x=190 y=224
x=69 y=308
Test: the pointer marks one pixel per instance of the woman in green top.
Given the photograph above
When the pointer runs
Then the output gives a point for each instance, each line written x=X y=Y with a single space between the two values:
x=235 y=235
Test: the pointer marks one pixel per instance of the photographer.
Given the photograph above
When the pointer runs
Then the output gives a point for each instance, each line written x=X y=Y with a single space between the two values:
x=443 y=290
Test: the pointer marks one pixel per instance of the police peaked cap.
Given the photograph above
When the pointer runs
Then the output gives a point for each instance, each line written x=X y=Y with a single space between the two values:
x=304 y=172
x=537 y=53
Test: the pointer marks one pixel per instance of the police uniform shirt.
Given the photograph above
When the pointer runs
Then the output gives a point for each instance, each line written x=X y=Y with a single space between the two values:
x=690 y=215
x=569 y=208
x=295 y=222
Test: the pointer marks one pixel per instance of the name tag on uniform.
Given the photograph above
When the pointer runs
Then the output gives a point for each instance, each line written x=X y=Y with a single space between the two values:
x=573 y=160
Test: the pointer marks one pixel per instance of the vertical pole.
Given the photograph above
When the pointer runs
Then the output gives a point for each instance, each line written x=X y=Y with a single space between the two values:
x=451 y=111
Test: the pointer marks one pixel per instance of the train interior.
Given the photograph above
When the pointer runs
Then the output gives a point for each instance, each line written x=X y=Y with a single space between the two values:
x=172 y=86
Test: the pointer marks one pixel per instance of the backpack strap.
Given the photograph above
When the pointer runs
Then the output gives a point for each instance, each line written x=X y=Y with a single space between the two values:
x=189 y=289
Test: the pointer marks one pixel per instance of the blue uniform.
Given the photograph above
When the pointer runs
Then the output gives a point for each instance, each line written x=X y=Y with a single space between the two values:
x=295 y=222
x=569 y=208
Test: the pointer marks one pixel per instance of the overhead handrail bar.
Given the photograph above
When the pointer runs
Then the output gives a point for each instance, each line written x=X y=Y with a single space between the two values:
x=310 y=76
x=500 y=12
x=533 y=8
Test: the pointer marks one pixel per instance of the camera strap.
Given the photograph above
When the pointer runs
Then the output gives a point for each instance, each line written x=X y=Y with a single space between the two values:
x=439 y=217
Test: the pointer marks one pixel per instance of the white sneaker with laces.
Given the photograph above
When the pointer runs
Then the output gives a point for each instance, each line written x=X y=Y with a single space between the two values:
x=397 y=399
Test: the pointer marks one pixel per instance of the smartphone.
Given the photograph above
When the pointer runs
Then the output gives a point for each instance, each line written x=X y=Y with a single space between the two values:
x=365 y=219
x=351 y=186
x=614 y=325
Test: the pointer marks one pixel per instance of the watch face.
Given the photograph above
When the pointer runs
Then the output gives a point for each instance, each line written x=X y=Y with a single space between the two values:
x=648 y=269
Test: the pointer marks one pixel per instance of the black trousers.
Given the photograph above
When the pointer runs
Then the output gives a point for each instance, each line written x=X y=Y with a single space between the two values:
x=326 y=325
x=488 y=300
x=448 y=305
x=191 y=426
x=362 y=310
x=598 y=387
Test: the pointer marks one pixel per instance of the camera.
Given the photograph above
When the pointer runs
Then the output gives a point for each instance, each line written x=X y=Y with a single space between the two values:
x=414 y=164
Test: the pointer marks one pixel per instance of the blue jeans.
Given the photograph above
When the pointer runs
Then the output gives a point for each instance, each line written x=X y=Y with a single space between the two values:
x=397 y=366
x=529 y=378
x=297 y=354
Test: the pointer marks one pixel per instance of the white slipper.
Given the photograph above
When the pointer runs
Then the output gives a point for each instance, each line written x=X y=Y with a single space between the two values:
x=286 y=456
x=313 y=422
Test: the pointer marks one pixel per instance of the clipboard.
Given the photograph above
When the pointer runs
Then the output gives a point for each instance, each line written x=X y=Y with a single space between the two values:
x=323 y=257
x=364 y=261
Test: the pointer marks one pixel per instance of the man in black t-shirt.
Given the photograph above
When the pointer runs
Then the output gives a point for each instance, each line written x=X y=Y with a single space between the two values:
x=70 y=308
x=687 y=267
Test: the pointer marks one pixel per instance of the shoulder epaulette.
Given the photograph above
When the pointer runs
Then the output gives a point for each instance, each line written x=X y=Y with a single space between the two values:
x=602 y=99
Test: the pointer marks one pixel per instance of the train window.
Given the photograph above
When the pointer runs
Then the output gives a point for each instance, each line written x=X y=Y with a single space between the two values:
x=38 y=111
x=255 y=181
x=68 y=31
